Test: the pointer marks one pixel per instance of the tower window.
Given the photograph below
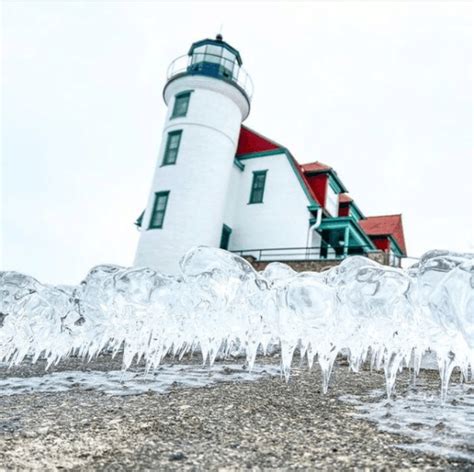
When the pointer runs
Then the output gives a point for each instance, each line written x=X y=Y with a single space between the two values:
x=181 y=104
x=159 y=210
x=172 y=147
x=258 y=186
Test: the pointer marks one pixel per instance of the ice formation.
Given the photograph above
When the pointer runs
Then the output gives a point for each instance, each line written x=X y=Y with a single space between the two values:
x=387 y=316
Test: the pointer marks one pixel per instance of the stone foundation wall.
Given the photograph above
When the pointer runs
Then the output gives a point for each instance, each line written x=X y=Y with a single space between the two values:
x=315 y=265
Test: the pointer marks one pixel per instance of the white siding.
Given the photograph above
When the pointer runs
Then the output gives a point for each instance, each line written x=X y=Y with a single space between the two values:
x=199 y=181
x=282 y=220
x=231 y=208
x=332 y=201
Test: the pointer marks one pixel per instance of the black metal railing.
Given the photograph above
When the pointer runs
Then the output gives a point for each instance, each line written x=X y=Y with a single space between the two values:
x=304 y=253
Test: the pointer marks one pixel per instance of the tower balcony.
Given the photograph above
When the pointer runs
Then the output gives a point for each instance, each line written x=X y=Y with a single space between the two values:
x=215 y=66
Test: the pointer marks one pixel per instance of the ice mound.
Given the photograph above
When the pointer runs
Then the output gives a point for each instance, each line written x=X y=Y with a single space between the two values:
x=388 y=316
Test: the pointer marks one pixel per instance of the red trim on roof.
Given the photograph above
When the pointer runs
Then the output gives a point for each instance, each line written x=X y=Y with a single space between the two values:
x=315 y=166
x=250 y=141
x=384 y=225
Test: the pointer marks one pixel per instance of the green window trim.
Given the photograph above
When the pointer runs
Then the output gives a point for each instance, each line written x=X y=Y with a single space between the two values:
x=181 y=104
x=355 y=211
x=159 y=209
x=238 y=164
x=332 y=183
x=172 y=147
x=397 y=249
x=293 y=164
x=336 y=181
x=258 y=186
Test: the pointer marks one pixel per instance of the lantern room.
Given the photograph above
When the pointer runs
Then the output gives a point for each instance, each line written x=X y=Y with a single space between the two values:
x=213 y=58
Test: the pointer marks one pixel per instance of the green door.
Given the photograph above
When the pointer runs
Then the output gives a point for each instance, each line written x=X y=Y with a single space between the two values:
x=225 y=237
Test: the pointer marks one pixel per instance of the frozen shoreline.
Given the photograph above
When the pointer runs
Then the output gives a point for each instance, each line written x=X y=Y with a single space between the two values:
x=263 y=423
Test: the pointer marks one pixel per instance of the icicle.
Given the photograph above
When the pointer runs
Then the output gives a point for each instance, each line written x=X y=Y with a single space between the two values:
x=220 y=303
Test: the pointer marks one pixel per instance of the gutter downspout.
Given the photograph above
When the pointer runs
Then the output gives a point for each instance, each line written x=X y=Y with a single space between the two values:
x=313 y=227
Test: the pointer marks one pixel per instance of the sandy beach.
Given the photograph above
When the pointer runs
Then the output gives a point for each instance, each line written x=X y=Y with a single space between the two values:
x=228 y=426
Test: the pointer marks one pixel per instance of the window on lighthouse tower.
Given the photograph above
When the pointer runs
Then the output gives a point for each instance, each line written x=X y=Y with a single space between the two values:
x=159 y=210
x=181 y=104
x=172 y=147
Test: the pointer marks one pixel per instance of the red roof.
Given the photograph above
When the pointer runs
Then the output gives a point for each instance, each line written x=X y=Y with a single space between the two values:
x=385 y=225
x=315 y=166
x=250 y=141
x=344 y=198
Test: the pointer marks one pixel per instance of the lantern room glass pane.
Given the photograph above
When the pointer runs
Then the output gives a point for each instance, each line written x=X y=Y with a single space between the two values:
x=213 y=54
x=198 y=54
x=226 y=54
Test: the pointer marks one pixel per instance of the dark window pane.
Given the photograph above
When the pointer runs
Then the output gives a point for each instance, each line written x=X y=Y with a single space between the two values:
x=181 y=105
x=174 y=141
x=258 y=186
x=172 y=147
x=159 y=210
x=225 y=237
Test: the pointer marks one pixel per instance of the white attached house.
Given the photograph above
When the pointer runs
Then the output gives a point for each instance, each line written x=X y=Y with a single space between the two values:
x=218 y=183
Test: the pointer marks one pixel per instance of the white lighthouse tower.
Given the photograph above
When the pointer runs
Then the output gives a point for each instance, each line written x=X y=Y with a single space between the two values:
x=208 y=96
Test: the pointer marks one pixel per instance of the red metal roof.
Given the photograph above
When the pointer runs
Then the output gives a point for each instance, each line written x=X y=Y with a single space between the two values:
x=250 y=141
x=344 y=198
x=315 y=166
x=385 y=225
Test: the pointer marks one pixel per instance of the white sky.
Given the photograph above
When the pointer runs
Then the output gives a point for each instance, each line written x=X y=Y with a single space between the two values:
x=380 y=91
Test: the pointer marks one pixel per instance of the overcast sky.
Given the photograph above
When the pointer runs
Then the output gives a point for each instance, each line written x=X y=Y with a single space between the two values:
x=380 y=91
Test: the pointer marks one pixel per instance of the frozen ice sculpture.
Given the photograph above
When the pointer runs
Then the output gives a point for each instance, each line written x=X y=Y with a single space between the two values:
x=388 y=316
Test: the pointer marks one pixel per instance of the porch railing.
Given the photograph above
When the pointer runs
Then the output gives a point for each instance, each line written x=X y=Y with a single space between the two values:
x=302 y=253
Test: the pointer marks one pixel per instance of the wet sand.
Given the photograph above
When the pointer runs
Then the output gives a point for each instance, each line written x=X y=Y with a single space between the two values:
x=228 y=426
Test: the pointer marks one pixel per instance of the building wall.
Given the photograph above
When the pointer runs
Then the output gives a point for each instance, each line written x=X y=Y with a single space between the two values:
x=199 y=181
x=232 y=204
x=282 y=220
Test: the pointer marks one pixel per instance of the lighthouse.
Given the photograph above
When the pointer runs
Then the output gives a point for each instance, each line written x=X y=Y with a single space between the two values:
x=208 y=96
x=219 y=183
